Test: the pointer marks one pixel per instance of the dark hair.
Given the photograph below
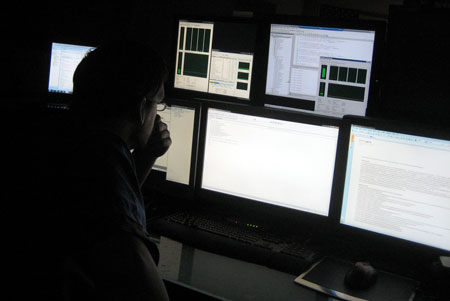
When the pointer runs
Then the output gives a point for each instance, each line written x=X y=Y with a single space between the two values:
x=112 y=79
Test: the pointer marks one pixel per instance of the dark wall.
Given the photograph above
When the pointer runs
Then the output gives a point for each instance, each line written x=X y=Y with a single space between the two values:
x=416 y=75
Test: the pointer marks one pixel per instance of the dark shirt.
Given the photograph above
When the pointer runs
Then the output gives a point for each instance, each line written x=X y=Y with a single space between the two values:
x=104 y=165
x=102 y=192
x=80 y=194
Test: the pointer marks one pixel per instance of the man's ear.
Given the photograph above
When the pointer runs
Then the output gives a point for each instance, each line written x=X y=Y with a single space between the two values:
x=142 y=111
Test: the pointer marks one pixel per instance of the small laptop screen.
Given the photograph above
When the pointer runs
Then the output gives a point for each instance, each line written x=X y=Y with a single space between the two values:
x=64 y=60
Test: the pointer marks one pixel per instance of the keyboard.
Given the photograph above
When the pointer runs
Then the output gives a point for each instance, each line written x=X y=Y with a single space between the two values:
x=225 y=237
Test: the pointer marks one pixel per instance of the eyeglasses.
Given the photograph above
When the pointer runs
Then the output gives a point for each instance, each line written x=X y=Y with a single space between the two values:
x=161 y=106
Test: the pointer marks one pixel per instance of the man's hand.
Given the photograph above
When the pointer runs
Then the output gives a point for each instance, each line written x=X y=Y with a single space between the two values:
x=159 y=141
x=157 y=145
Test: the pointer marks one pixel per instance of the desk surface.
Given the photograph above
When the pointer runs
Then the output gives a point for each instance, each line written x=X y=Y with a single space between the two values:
x=228 y=278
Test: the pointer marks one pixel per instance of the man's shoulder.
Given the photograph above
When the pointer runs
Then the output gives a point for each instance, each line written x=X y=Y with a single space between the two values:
x=101 y=147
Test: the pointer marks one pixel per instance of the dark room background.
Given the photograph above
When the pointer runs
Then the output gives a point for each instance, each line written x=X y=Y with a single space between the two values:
x=415 y=65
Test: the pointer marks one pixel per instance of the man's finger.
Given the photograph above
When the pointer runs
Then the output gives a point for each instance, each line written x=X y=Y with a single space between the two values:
x=165 y=134
x=162 y=126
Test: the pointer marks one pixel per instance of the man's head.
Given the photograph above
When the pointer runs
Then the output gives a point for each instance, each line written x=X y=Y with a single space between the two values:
x=120 y=80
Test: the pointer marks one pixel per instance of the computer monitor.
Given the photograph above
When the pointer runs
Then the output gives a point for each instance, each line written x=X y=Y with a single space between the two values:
x=63 y=62
x=175 y=170
x=214 y=59
x=397 y=181
x=324 y=67
x=262 y=159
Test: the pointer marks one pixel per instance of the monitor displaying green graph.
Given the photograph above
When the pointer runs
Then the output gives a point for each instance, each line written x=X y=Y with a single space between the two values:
x=211 y=60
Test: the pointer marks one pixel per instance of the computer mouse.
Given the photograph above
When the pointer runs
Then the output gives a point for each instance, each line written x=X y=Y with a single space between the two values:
x=361 y=276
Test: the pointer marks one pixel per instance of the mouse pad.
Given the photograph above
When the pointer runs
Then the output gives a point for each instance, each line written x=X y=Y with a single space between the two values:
x=328 y=276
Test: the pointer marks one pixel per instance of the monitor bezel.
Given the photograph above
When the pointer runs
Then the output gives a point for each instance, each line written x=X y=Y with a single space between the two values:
x=205 y=96
x=378 y=240
x=156 y=181
x=376 y=71
x=266 y=215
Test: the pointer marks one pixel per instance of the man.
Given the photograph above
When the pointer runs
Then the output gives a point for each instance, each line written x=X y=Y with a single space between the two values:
x=109 y=147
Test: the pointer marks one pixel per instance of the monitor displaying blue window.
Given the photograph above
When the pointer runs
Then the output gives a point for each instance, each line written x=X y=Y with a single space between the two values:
x=398 y=184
